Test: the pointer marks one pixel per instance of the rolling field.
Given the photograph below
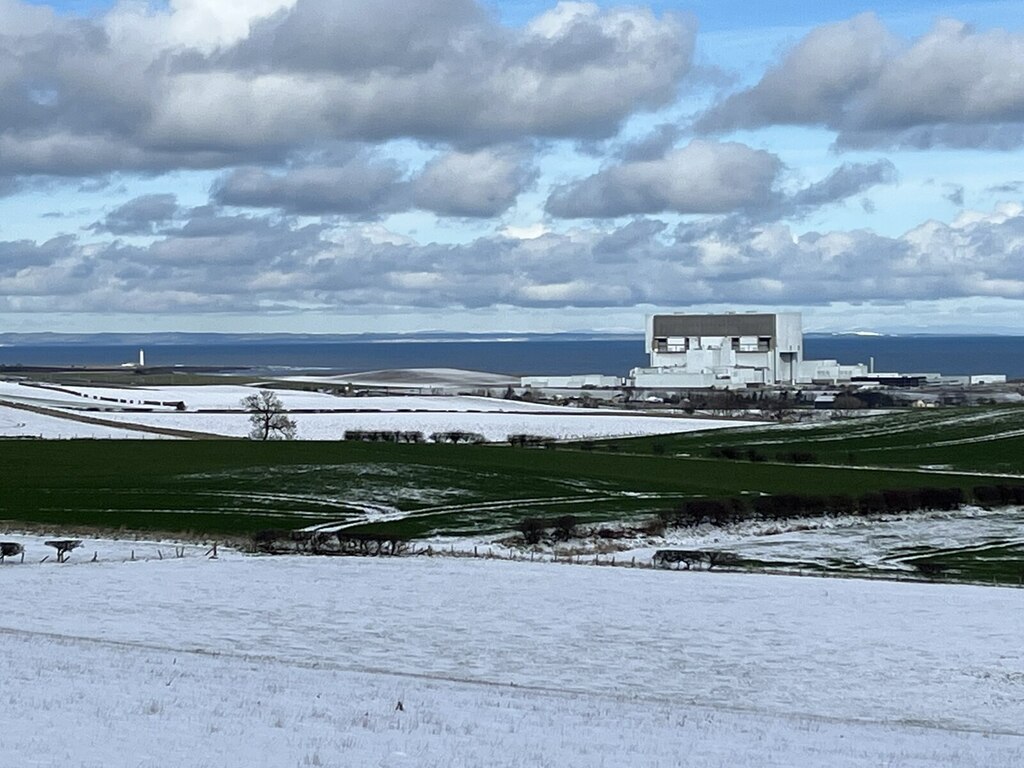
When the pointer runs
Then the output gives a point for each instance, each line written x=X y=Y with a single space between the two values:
x=260 y=661
x=238 y=487
x=983 y=439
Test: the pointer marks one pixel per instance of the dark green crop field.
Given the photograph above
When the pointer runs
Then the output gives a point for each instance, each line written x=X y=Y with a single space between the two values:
x=238 y=487
x=984 y=439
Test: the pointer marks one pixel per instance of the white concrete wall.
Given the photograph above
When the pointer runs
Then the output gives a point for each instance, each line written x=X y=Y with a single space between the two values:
x=988 y=378
x=789 y=332
x=576 y=381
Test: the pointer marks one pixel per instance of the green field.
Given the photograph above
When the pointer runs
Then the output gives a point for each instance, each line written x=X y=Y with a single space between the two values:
x=234 y=488
x=983 y=439
x=238 y=487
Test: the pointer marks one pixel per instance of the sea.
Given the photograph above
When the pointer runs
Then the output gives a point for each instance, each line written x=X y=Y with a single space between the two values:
x=551 y=354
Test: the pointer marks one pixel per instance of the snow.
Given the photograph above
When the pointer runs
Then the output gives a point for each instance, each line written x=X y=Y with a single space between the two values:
x=212 y=396
x=494 y=418
x=493 y=426
x=881 y=542
x=15 y=422
x=301 y=661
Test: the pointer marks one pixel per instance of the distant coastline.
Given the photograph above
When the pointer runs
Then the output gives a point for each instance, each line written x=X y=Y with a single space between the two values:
x=515 y=354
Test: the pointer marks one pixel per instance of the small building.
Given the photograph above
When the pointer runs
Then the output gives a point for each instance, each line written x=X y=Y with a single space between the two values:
x=986 y=378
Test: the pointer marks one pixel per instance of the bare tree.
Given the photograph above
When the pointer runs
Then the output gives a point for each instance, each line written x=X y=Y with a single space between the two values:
x=844 y=406
x=267 y=417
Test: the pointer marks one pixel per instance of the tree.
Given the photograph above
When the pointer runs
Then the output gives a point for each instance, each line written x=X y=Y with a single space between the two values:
x=844 y=405
x=267 y=417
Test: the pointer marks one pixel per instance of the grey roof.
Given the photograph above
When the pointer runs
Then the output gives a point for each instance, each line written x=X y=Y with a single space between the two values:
x=715 y=325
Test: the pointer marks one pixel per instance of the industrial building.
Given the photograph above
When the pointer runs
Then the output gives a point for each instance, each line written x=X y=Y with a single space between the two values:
x=733 y=350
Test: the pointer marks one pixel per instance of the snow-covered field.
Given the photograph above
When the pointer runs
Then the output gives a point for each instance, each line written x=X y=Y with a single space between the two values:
x=248 y=661
x=492 y=425
x=494 y=418
x=876 y=542
x=15 y=422
x=212 y=396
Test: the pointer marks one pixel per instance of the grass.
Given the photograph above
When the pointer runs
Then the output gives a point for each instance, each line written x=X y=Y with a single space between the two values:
x=998 y=562
x=985 y=439
x=994 y=562
x=238 y=487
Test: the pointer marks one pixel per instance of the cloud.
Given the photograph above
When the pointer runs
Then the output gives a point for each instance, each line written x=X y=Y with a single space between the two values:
x=217 y=263
x=359 y=185
x=139 y=216
x=955 y=195
x=356 y=36
x=1009 y=187
x=846 y=181
x=16 y=256
x=482 y=184
x=953 y=86
x=202 y=86
x=653 y=146
x=702 y=177
x=707 y=177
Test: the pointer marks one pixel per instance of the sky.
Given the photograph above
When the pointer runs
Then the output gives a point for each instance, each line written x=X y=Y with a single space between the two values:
x=342 y=166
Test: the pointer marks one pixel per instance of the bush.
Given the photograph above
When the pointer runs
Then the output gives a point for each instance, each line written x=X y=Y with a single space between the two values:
x=269 y=539
x=871 y=503
x=901 y=500
x=797 y=457
x=458 y=436
x=532 y=529
x=565 y=527
x=528 y=441
x=942 y=498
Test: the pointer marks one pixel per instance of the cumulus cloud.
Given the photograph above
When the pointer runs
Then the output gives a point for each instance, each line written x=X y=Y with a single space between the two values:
x=482 y=184
x=251 y=263
x=197 y=86
x=358 y=185
x=953 y=86
x=139 y=216
x=707 y=177
x=702 y=177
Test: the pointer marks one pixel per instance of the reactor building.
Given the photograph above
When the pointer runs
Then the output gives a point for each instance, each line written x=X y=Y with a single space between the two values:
x=733 y=350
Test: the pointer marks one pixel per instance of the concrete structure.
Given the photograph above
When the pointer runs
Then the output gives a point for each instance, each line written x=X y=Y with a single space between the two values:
x=577 y=381
x=986 y=378
x=732 y=351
